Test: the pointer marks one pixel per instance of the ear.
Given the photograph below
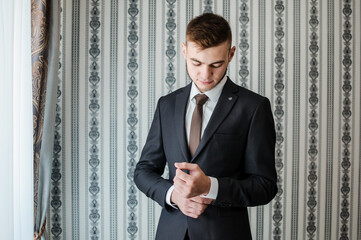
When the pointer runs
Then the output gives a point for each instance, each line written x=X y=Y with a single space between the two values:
x=184 y=50
x=231 y=53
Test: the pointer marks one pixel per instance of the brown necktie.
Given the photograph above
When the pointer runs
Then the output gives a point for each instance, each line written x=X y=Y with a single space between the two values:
x=196 y=124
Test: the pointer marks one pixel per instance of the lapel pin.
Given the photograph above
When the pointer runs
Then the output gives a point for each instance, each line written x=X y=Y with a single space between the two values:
x=230 y=98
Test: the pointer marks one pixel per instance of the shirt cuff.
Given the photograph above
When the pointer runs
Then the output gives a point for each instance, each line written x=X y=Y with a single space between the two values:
x=213 y=191
x=167 y=197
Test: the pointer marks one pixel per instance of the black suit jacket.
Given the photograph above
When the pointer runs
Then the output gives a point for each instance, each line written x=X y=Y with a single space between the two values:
x=237 y=148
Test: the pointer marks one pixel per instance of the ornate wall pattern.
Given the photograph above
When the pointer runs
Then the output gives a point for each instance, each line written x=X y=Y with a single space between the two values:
x=279 y=117
x=313 y=123
x=118 y=57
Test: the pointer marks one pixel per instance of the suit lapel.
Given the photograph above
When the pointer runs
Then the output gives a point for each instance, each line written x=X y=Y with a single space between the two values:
x=179 y=120
x=223 y=107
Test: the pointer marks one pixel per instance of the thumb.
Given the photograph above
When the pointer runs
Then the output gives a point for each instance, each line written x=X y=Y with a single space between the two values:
x=185 y=165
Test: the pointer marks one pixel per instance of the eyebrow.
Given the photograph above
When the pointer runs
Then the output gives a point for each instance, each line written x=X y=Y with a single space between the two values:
x=221 y=61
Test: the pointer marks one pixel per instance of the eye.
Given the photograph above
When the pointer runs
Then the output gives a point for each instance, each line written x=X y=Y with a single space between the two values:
x=216 y=65
x=195 y=63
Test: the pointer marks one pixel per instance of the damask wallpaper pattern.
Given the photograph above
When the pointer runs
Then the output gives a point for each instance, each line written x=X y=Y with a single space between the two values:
x=118 y=57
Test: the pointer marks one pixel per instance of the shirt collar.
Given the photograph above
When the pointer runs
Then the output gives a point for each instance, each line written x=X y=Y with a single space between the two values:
x=212 y=94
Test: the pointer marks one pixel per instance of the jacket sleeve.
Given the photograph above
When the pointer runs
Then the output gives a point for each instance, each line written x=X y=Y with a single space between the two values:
x=149 y=169
x=258 y=185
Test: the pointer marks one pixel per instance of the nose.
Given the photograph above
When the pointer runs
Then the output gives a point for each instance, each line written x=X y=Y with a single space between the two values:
x=206 y=72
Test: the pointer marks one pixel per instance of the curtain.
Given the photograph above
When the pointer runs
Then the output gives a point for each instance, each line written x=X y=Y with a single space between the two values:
x=16 y=173
x=45 y=53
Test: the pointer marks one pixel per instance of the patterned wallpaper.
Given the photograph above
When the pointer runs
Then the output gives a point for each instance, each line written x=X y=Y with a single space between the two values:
x=118 y=57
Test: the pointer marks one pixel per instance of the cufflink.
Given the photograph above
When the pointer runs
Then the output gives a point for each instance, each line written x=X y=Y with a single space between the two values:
x=230 y=98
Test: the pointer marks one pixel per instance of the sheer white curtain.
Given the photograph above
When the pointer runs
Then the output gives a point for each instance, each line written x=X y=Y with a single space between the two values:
x=16 y=143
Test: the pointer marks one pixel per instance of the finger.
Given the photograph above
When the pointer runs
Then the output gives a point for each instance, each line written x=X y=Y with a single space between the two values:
x=188 y=207
x=193 y=215
x=178 y=178
x=197 y=208
x=207 y=201
x=179 y=184
x=197 y=205
x=185 y=184
x=202 y=200
x=182 y=175
x=192 y=168
x=186 y=166
x=198 y=199
x=183 y=189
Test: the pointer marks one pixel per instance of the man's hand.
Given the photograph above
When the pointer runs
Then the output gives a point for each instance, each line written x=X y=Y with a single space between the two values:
x=191 y=207
x=193 y=184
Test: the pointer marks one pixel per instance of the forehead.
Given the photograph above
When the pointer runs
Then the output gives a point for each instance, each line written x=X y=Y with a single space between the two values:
x=212 y=54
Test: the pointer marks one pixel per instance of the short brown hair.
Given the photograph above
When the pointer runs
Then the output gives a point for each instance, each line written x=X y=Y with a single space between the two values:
x=208 y=30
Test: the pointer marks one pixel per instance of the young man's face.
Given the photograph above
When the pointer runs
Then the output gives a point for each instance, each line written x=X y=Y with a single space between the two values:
x=206 y=67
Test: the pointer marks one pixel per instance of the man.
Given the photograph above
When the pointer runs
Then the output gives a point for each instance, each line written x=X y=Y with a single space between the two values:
x=218 y=140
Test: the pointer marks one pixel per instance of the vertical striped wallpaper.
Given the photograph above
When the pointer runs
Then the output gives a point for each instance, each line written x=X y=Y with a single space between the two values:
x=118 y=57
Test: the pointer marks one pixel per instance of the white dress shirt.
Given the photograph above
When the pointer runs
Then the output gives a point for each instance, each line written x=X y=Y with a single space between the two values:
x=208 y=108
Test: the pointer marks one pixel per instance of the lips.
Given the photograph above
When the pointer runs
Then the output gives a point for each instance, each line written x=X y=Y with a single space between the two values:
x=205 y=82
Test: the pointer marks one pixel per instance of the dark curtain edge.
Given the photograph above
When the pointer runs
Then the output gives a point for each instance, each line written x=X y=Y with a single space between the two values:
x=46 y=154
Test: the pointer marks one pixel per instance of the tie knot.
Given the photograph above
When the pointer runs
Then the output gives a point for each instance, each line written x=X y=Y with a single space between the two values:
x=201 y=99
